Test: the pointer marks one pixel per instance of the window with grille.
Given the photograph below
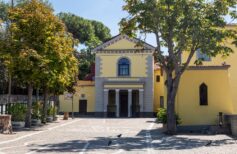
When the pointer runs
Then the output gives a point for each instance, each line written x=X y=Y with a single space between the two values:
x=203 y=94
x=123 y=67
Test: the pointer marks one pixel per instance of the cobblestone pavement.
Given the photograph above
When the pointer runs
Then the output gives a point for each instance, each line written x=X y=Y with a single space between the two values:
x=92 y=135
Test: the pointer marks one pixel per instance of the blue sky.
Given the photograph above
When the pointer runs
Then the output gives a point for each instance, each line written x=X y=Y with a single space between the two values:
x=107 y=11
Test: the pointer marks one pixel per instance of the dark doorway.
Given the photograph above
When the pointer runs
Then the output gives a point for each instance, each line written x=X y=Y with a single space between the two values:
x=111 y=108
x=135 y=103
x=82 y=107
x=123 y=97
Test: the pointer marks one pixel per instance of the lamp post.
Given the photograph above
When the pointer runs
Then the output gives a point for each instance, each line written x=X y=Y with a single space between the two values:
x=72 y=107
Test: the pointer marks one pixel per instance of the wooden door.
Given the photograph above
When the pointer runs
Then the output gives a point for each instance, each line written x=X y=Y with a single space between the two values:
x=82 y=106
x=123 y=104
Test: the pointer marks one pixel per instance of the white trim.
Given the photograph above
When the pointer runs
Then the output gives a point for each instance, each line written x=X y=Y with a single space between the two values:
x=118 y=38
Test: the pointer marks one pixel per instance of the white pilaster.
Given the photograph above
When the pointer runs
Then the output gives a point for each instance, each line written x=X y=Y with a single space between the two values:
x=117 y=102
x=106 y=100
x=141 y=99
x=129 y=102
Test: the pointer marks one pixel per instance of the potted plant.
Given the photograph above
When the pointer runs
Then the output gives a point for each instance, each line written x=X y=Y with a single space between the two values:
x=36 y=114
x=18 y=113
x=50 y=114
x=162 y=117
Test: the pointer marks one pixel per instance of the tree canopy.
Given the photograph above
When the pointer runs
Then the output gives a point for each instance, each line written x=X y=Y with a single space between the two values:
x=91 y=33
x=88 y=32
x=3 y=10
x=180 y=26
x=40 y=50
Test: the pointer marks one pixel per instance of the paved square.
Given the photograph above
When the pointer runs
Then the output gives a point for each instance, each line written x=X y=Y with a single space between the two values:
x=92 y=135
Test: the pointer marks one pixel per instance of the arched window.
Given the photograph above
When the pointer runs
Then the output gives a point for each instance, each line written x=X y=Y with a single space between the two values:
x=123 y=67
x=203 y=94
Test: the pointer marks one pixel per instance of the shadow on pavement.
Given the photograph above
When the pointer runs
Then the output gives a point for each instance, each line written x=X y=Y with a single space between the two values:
x=139 y=142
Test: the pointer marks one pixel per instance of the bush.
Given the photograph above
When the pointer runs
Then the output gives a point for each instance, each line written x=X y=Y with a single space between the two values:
x=162 y=116
x=50 y=111
x=37 y=107
x=18 y=112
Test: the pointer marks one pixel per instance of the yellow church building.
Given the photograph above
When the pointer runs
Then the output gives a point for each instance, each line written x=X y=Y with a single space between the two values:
x=128 y=83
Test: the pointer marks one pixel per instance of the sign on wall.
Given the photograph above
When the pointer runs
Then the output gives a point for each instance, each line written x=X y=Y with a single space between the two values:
x=68 y=96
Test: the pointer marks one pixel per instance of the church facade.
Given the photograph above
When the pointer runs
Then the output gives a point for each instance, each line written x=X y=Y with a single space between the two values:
x=124 y=78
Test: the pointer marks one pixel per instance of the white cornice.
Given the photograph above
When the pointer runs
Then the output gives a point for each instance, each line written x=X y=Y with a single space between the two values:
x=120 y=37
x=139 y=51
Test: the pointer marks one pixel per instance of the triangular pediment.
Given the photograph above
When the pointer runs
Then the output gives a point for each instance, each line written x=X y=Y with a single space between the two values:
x=123 y=42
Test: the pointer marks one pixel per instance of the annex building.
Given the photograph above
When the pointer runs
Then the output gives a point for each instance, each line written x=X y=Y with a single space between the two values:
x=128 y=83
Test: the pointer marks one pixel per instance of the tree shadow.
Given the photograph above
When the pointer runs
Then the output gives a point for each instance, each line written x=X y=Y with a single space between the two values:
x=140 y=142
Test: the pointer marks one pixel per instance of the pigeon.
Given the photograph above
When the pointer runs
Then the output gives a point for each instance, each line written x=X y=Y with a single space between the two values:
x=109 y=143
x=119 y=135
x=208 y=143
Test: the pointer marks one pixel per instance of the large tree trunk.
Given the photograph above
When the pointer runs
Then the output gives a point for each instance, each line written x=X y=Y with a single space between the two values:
x=45 y=105
x=29 y=106
x=37 y=95
x=172 y=87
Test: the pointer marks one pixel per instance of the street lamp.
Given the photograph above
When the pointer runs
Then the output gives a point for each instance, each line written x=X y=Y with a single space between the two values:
x=72 y=106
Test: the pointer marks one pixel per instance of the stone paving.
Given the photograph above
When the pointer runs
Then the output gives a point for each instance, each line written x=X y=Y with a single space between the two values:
x=92 y=135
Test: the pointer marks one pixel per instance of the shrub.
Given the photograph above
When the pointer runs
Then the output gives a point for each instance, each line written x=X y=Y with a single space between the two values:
x=50 y=111
x=37 y=107
x=18 y=112
x=162 y=116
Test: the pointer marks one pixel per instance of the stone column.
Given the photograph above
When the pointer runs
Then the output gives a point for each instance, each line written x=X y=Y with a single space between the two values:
x=141 y=98
x=117 y=102
x=106 y=100
x=129 y=102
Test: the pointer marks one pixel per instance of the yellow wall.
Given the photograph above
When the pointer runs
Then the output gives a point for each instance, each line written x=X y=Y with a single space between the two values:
x=123 y=44
x=232 y=61
x=109 y=64
x=158 y=89
x=84 y=87
x=109 y=61
x=219 y=99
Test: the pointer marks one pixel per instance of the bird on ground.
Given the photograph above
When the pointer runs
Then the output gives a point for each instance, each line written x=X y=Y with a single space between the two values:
x=208 y=143
x=119 y=135
x=109 y=143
